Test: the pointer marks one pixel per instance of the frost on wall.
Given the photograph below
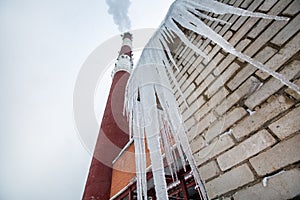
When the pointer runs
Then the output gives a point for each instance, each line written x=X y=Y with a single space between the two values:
x=150 y=104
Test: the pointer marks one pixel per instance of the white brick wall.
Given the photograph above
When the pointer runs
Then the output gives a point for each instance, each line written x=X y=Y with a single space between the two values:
x=282 y=186
x=287 y=125
x=281 y=155
x=269 y=110
x=229 y=181
x=218 y=146
x=246 y=149
x=235 y=151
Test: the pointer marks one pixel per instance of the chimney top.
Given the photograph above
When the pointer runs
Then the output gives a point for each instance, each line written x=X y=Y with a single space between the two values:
x=127 y=35
x=124 y=61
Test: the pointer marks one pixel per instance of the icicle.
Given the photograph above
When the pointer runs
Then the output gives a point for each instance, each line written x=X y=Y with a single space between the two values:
x=221 y=8
x=169 y=54
x=168 y=33
x=152 y=79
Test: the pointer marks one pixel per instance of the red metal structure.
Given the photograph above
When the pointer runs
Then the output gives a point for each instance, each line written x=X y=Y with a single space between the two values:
x=113 y=134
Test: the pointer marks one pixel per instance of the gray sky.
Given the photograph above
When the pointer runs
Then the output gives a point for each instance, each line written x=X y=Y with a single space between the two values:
x=43 y=45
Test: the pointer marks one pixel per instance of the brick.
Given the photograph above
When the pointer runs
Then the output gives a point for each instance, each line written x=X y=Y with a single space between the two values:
x=212 y=65
x=292 y=9
x=182 y=80
x=242 y=19
x=223 y=65
x=246 y=3
x=193 y=108
x=282 y=186
x=189 y=123
x=263 y=23
x=292 y=92
x=189 y=58
x=223 y=124
x=287 y=125
x=272 y=108
x=188 y=81
x=209 y=170
x=216 y=147
x=229 y=181
x=273 y=85
x=264 y=37
x=222 y=79
x=207 y=80
x=212 y=103
x=202 y=87
x=245 y=89
x=189 y=90
x=196 y=64
x=247 y=71
x=267 y=5
x=289 y=50
x=281 y=155
x=195 y=96
x=197 y=144
x=246 y=149
x=248 y=25
x=289 y=30
x=202 y=125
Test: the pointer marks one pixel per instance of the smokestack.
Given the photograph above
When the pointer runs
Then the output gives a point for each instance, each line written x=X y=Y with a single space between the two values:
x=113 y=134
x=124 y=61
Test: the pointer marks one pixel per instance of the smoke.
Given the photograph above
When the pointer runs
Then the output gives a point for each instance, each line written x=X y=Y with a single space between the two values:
x=119 y=10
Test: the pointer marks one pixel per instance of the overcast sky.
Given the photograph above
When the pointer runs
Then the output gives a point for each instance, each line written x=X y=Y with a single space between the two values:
x=43 y=45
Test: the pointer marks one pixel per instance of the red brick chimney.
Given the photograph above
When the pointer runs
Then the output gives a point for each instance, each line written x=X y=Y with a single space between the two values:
x=113 y=134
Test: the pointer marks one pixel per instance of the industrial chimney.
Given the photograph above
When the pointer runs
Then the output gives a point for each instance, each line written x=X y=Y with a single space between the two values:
x=113 y=134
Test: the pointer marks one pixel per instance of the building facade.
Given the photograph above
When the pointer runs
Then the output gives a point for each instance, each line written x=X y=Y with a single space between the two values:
x=242 y=124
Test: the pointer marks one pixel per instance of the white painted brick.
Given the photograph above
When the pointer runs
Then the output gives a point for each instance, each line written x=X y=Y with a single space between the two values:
x=247 y=71
x=262 y=24
x=182 y=80
x=246 y=3
x=248 y=25
x=196 y=64
x=193 y=108
x=292 y=9
x=189 y=80
x=246 y=149
x=272 y=108
x=281 y=155
x=289 y=50
x=287 y=125
x=202 y=125
x=222 y=124
x=264 y=37
x=189 y=123
x=216 y=147
x=246 y=88
x=273 y=85
x=292 y=92
x=229 y=181
x=288 y=31
x=223 y=65
x=242 y=19
x=212 y=65
x=222 y=79
x=195 y=96
x=189 y=90
x=212 y=103
x=203 y=86
x=282 y=186
x=209 y=170
x=197 y=144
x=267 y=4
